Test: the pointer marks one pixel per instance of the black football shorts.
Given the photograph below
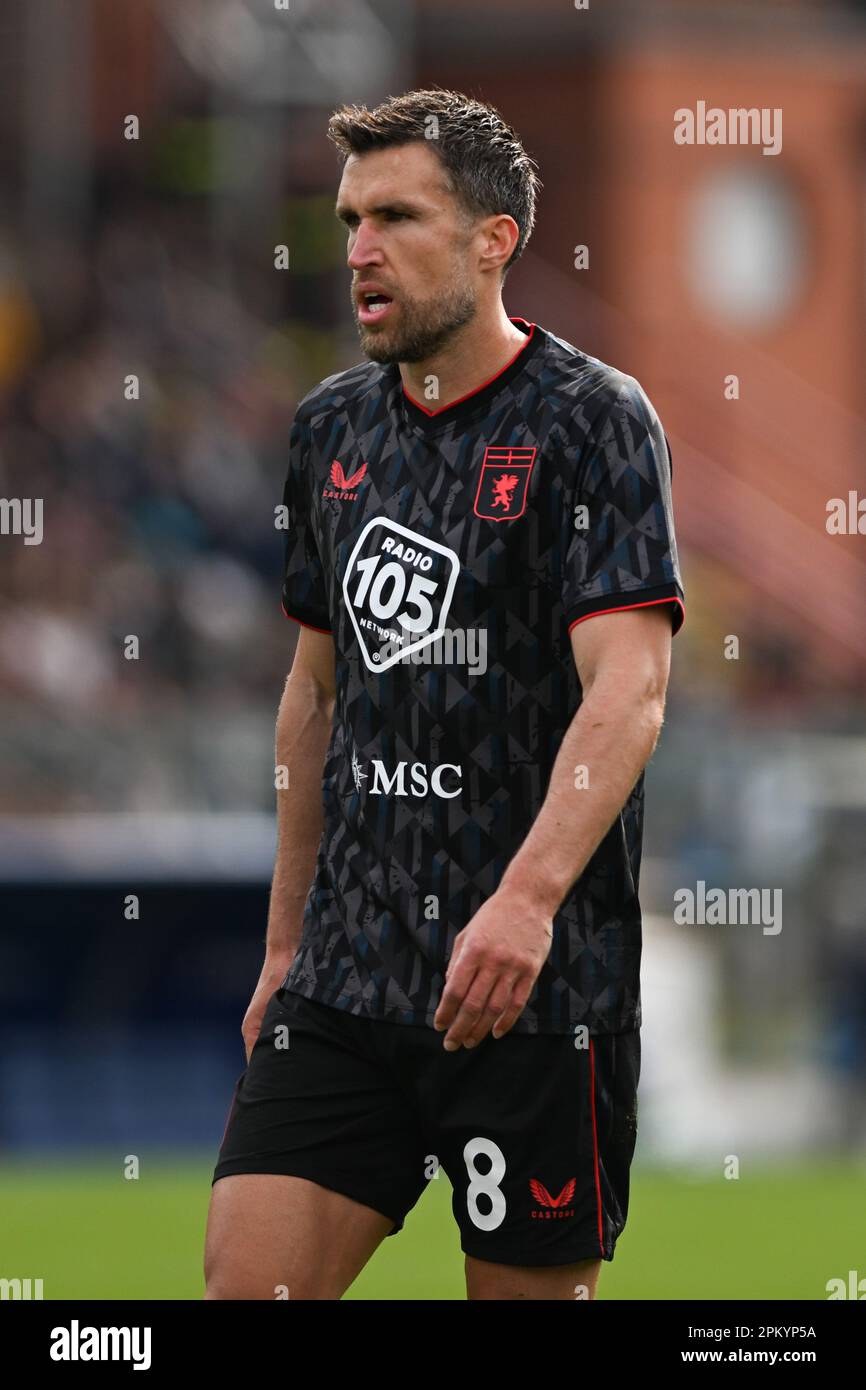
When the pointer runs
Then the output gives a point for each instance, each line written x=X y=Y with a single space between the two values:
x=535 y=1134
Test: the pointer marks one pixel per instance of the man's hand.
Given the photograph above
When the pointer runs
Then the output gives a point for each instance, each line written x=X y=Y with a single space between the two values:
x=272 y=976
x=495 y=962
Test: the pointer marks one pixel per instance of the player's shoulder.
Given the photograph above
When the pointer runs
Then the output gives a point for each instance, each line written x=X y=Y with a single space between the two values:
x=342 y=393
x=587 y=390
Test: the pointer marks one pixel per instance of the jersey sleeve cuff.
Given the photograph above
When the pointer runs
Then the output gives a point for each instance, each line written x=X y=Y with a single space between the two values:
x=635 y=598
x=306 y=617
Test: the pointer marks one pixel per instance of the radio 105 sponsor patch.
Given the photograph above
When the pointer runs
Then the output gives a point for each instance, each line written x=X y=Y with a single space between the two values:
x=398 y=587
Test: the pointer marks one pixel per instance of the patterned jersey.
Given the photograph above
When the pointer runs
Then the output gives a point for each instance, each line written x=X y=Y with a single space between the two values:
x=450 y=552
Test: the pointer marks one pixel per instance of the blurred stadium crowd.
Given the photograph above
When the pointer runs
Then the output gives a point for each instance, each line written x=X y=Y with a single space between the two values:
x=158 y=515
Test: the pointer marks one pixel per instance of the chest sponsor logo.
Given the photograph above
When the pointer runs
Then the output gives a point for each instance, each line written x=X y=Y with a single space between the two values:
x=408 y=779
x=343 y=488
x=398 y=587
x=503 y=484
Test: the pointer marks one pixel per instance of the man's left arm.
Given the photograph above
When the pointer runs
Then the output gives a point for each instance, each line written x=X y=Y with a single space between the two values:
x=623 y=662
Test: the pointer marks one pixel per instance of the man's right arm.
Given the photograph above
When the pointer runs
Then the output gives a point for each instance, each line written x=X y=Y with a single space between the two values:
x=303 y=731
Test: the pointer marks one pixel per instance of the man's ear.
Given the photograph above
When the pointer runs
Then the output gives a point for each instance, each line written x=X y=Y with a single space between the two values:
x=501 y=237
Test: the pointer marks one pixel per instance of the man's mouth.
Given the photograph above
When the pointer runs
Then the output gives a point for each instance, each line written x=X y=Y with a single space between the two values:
x=373 y=306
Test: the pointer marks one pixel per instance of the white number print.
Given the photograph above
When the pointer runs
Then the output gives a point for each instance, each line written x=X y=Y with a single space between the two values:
x=386 y=608
x=486 y=1184
x=398 y=587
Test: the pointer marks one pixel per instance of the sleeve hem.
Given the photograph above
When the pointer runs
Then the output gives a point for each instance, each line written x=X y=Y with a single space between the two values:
x=637 y=598
x=306 y=621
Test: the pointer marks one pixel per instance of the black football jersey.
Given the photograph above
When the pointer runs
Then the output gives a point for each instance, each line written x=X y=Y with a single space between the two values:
x=449 y=551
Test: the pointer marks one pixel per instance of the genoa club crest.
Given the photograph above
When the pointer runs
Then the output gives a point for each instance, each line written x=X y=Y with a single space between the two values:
x=504 y=482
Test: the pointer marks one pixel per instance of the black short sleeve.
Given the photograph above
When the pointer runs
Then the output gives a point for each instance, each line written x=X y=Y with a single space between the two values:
x=626 y=555
x=305 y=595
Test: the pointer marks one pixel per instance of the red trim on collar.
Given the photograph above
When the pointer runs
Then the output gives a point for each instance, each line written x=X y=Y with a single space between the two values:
x=476 y=389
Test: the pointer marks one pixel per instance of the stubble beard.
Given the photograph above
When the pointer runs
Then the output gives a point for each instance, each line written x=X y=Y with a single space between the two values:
x=426 y=327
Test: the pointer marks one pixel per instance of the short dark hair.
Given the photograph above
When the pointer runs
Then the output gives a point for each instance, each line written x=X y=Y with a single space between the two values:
x=488 y=169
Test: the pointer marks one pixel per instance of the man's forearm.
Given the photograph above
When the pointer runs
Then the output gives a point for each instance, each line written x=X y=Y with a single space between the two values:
x=303 y=731
x=612 y=735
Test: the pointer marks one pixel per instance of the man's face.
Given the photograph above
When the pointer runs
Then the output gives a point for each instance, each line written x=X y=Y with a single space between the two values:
x=408 y=248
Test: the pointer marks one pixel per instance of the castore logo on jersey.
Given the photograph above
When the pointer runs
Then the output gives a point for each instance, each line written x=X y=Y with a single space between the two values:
x=344 y=488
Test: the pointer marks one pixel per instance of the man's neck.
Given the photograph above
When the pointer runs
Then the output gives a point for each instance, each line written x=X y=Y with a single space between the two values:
x=474 y=355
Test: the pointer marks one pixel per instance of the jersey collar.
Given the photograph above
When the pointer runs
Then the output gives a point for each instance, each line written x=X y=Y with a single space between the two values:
x=420 y=417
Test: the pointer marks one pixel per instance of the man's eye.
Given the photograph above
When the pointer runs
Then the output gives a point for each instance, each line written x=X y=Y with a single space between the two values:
x=396 y=216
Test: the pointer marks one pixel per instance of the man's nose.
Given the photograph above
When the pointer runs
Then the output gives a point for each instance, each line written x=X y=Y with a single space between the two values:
x=365 y=248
